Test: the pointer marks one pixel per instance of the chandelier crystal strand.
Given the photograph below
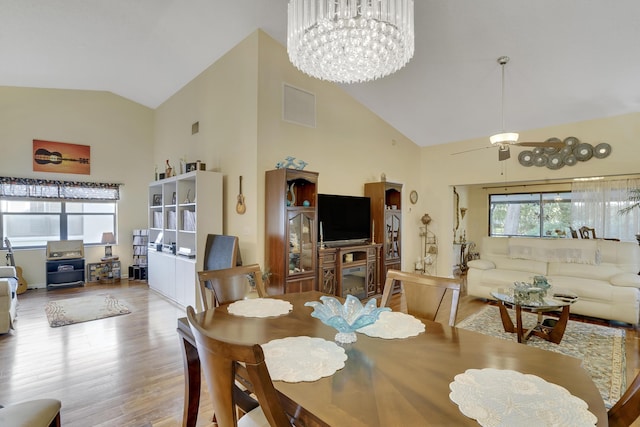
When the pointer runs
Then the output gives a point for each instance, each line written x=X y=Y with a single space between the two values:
x=350 y=41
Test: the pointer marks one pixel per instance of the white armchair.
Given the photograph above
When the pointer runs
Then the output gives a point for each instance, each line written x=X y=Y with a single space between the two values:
x=8 y=298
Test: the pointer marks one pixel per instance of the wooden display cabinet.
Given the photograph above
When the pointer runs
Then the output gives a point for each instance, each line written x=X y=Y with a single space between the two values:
x=386 y=214
x=290 y=230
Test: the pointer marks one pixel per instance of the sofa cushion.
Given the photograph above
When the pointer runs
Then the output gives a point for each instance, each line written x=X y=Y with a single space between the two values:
x=481 y=264
x=601 y=272
x=555 y=250
x=626 y=279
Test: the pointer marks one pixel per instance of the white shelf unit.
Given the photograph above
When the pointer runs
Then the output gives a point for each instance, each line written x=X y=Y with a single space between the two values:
x=182 y=211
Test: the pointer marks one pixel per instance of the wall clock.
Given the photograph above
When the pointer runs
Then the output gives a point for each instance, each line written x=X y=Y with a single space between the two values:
x=413 y=197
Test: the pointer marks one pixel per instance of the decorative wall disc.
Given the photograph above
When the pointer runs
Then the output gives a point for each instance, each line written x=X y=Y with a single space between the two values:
x=583 y=152
x=555 y=161
x=525 y=158
x=570 y=154
x=601 y=150
x=540 y=160
x=571 y=141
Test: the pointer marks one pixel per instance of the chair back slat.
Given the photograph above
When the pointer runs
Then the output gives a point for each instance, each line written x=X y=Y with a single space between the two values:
x=219 y=359
x=627 y=409
x=422 y=295
x=230 y=284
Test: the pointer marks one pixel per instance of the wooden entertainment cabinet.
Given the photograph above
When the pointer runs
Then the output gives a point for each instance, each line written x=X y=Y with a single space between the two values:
x=350 y=270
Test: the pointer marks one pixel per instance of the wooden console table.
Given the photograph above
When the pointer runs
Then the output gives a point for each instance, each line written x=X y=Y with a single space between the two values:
x=350 y=270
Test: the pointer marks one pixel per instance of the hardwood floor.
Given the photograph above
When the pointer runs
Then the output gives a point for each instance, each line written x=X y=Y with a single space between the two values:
x=120 y=371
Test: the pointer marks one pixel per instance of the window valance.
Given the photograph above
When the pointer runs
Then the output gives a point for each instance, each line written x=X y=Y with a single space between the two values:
x=50 y=189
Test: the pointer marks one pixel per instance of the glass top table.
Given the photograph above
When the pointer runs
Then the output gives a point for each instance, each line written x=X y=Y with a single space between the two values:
x=538 y=301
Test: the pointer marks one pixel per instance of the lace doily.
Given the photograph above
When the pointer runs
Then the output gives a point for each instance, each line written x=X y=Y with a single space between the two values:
x=296 y=359
x=496 y=397
x=260 y=307
x=393 y=324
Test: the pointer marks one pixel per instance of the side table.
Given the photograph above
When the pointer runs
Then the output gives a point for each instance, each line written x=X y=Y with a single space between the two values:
x=104 y=272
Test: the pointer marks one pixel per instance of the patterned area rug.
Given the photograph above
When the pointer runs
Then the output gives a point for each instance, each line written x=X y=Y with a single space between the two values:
x=84 y=309
x=601 y=349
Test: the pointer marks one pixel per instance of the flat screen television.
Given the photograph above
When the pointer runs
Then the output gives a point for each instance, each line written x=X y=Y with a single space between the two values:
x=343 y=220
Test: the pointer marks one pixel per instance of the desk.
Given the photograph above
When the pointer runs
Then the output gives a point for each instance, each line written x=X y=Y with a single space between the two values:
x=385 y=382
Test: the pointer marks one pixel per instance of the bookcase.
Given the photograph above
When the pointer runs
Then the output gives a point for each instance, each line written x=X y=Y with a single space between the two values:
x=182 y=210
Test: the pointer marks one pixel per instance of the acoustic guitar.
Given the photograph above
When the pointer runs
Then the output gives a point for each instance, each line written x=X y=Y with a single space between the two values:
x=43 y=157
x=22 y=284
x=240 y=206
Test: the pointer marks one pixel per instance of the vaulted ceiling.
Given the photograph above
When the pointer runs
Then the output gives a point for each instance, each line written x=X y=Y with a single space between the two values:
x=571 y=60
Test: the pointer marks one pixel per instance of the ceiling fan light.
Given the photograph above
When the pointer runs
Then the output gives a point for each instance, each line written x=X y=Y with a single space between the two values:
x=504 y=138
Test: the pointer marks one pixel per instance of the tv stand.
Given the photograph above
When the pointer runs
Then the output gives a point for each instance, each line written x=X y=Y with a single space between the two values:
x=351 y=269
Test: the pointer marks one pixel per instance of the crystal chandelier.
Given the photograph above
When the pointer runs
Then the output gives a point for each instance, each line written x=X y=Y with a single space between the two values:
x=503 y=137
x=349 y=41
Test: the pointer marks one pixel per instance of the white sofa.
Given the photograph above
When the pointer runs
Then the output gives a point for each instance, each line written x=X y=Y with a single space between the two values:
x=8 y=298
x=603 y=273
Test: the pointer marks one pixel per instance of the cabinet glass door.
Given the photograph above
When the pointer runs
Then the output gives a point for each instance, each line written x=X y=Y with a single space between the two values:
x=392 y=235
x=301 y=248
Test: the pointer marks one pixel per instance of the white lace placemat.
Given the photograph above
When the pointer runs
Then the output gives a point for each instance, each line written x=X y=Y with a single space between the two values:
x=393 y=324
x=496 y=397
x=260 y=307
x=296 y=359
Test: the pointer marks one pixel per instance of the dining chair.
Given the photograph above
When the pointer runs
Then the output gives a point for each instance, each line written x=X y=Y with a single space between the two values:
x=220 y=360
x=574 y=233
x=587 y=232
x=627 y=409
x=229 y=284
x=421 y=295
x=32 y=413
x=221 y=251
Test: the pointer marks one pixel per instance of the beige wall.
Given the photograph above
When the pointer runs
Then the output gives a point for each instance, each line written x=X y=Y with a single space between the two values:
x=119 y=133
x=238 y=101
x=441 y=170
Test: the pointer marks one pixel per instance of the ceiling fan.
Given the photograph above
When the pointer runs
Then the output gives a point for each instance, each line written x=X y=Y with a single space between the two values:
x=504 y=139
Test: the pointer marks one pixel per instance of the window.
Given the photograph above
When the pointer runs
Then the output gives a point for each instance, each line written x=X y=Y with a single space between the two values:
x=34 y=211
x=530 y=215
x=32 y=223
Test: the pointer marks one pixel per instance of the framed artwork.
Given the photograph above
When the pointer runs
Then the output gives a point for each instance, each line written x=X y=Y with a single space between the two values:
x=157 y=200
x=61 y=157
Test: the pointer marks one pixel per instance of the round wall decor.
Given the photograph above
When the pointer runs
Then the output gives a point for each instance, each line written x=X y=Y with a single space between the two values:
x=573 y=152
x=413 y=197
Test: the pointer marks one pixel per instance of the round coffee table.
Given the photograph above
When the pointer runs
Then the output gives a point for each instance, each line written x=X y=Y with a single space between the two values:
x=554 y=300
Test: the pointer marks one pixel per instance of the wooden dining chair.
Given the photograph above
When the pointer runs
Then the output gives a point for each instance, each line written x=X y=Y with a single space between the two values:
x=587 y=232
x=627 y=409
x=220 y=360
x=221 y=251
x=574 y=233
x=229 y=284
x=421 y=295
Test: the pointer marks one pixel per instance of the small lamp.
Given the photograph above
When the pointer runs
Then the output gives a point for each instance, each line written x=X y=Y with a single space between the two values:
x=107 y=239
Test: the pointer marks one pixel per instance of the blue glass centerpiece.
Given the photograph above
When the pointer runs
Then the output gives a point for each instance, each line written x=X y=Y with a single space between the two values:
x=347 y=317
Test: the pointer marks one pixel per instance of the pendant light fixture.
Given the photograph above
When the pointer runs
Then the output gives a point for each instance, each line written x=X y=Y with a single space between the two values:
x=503 y=137
x=350 y=41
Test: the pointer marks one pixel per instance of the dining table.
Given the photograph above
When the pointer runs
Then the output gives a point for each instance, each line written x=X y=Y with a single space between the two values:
x=384 y=382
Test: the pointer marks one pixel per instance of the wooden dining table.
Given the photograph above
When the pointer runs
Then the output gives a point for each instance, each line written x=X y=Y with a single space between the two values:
x=385 y=382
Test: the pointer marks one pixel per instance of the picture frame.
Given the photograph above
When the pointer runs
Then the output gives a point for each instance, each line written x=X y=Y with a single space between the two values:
x=190 y=167
x=157 y=200
x=161 y=175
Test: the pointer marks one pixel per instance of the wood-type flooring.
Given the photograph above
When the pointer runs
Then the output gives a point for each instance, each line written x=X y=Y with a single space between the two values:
x=125 y=370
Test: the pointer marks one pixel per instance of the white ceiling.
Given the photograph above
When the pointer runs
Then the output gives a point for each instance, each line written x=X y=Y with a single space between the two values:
x=571 y=60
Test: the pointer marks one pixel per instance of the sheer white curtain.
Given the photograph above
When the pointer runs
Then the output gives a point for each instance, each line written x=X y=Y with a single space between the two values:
x=597 y=204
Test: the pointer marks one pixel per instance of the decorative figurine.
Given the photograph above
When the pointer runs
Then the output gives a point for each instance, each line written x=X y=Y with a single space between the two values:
x=289 y=163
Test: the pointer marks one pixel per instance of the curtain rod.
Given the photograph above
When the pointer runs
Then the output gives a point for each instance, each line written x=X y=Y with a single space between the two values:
x=528 y=185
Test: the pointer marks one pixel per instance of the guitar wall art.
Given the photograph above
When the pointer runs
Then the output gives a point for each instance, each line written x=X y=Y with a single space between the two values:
x=61 y=157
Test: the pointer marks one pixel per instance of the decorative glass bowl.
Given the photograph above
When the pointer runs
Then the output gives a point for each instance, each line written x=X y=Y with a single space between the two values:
x=347 y=317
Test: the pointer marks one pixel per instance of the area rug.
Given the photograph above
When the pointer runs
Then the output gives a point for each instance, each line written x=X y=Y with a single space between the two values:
x=600 y=348
x=83 y=309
